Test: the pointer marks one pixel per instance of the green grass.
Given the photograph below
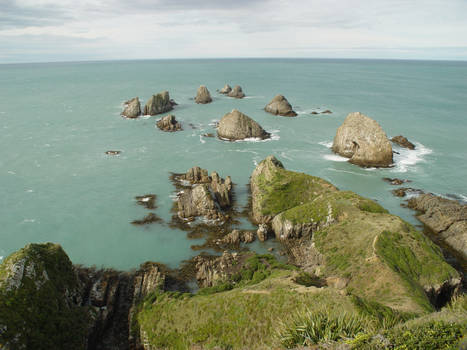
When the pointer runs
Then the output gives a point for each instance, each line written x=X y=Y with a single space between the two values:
x=37 y=314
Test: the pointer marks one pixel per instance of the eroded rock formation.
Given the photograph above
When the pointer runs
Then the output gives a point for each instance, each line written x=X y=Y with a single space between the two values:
x=169 y=123
x=202 y=95
x=238 y=126
x=159 y=103
x=132 y=108
x=280 y=106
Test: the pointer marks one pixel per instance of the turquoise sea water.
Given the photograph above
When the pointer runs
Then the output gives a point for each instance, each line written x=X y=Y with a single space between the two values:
x=57 y=120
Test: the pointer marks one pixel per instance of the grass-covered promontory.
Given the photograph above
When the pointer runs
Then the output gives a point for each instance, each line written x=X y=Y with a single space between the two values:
x=340 y=234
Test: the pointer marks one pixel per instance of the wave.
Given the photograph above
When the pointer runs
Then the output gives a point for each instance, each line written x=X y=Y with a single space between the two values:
x=408 y=158
x=348 y=172
x=335 y=158
x=201 y=139
x=249 y=97
x=327 y=144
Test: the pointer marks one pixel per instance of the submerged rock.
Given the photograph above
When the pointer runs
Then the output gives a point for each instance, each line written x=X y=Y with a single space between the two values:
x=202 y=95
x=159 y=103
x=403 y=142
x=132 y=108
x=236 y=92
x=404 y=191
x=169 y=123
x=225 y=90
x=148 y=201
x=280 y=106
x=327 y=111
x=363 y=141
x=113 y=153
x=151 y=218
x=446 y=218
x=395 y=181
x=238 y=126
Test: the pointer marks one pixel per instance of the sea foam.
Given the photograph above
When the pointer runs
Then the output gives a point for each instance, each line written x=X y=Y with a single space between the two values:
x=407 y=158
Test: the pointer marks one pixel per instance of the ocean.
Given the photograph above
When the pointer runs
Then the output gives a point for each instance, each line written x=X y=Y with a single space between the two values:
x=57 y=120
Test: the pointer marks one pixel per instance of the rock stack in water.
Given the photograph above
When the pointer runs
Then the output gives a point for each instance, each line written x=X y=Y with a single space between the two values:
x=238 y=126
x=204 y=195
x=363 y=141
x=225 y=90
x=202 y=95
x=132 y=108
x=159 y=103
x=169 y=123
x=403 y=142
x=236 y=92
x=280 y=106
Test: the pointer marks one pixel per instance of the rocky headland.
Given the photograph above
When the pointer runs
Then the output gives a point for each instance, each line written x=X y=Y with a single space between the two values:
x=363 y=141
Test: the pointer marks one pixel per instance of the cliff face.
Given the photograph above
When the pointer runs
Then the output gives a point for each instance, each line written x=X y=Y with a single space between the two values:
x=47 y=303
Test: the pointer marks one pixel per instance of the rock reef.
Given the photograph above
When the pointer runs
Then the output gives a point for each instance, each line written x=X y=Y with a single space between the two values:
x=403 y=142
x=169 y=124
x=280 y=106
x=238 y=126
x=446 y=218
x=363 y=141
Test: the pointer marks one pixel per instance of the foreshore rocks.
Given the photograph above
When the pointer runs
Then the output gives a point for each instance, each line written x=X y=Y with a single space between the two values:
x=280 y=106
x=169 y=124
x=46 y=302
x=363 y=141
x=236 y=92
x=446 y=218
x=202 y=95
x=226 y=89
x=238 y=126
x=203 y=195
x=132 y=108
x=236 y=237
x=159 y=103
x=403 y=142
x=338 y=234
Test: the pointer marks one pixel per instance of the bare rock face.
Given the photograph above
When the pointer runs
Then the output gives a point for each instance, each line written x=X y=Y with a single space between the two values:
x=236 y=92
x=403 y=142
x=236 y=237
x=159 y=103
x=446 y=218
x=225 y=90
x=169 y=123
x=238 y=126
x=204 y=195
x=203 y=96
x=211 y=270
x=132 y=108
x=262 y=232
x=363 y=141
x=280 y=106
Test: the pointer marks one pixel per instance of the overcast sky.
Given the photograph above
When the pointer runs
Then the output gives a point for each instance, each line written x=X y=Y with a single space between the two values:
x=64 y=30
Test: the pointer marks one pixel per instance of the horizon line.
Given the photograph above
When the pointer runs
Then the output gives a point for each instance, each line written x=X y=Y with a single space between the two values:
x=235 y=58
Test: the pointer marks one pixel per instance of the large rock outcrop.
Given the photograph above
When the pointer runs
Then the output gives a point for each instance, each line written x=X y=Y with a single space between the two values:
x=280 y=106
x=238 y=126
x=226 y=89
x=339 y=234
x=132 y=108
x=446 y=218
x=363 y=141
x=202 y=95
x=169 y=123
x=159 y=103
x=236 y=92
x=47 y=303
x=203 y=195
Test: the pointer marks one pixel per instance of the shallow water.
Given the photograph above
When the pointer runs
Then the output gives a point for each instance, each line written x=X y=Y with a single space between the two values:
x=57 y=120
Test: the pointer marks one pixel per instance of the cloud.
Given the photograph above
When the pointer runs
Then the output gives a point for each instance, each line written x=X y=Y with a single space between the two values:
x=122 y=29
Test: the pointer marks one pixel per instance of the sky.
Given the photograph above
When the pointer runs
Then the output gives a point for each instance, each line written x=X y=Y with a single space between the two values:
x=74 y=30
